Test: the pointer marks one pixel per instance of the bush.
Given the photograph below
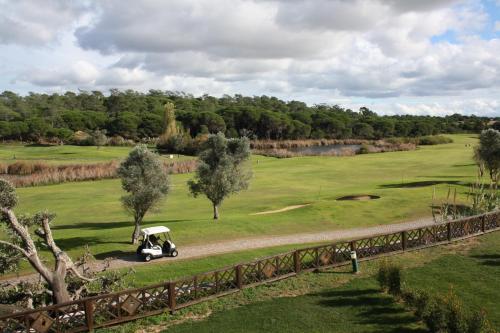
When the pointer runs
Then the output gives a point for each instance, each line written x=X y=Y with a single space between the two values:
x=364 y=149
x=445 y=314
x=433 y=140
x=389 y=278
x=418 y=300
x=477 y=323
x=456 y=315
x=116 y=141
x=435 y=315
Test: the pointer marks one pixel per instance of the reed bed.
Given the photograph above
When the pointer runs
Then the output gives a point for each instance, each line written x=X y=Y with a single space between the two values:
x=373 y=147
x=285 y=153
x=27 y=174
x=287 y=144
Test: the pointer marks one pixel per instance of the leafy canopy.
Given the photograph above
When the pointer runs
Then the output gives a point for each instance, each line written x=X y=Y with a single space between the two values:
x=221 y=170
x=144 y=178
x=489 y=151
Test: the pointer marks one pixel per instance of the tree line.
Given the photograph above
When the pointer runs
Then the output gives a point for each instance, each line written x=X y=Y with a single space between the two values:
x=139 y=116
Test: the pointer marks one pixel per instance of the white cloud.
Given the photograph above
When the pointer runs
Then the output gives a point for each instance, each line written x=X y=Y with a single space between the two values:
x=31 y=22
x=319 y=50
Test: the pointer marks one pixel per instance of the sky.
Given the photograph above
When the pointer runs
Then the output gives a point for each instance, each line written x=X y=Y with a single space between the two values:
x=428 y=57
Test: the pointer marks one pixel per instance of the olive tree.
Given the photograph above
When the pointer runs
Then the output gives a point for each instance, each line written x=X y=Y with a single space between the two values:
x=222 y=170
x=146 y=181
x=488 y=152
x=20 y=244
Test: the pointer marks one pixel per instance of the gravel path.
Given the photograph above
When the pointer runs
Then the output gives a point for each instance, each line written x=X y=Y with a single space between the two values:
x=198 y=251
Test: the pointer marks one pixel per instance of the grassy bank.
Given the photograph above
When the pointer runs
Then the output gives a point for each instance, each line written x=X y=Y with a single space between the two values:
x=338 y=301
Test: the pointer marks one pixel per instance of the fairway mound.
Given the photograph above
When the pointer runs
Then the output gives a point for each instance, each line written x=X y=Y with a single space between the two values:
x=361 y=197
x=280 y=210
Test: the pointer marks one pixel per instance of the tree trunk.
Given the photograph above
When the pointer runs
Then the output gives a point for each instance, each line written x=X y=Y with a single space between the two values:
x=59 y=289
x=216 y=212
x=136 y=233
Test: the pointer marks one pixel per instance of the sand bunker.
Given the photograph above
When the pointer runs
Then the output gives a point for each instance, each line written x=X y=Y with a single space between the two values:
x=361 y=197
x=280 y=210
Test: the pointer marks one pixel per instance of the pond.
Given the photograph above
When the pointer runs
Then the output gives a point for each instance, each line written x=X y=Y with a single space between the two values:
x=327 y=149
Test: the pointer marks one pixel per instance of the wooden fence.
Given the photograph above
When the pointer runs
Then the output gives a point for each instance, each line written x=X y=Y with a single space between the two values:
x=111 y=309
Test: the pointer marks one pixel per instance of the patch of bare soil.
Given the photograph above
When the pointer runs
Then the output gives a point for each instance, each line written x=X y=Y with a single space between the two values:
x=281 y=210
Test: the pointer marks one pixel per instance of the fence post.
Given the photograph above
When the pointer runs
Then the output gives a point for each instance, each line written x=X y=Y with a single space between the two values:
x=352 y=245
x=89 y=315
x=296 y=261
x=27 y=323
x=448 y=231
x=403 y=240
x=239 y=277
x=171 y=297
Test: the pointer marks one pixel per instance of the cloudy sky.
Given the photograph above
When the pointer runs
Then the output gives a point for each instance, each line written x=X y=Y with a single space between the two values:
x=394 y=56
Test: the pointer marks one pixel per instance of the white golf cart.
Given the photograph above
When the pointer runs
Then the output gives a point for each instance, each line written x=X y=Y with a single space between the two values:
x=155 y=243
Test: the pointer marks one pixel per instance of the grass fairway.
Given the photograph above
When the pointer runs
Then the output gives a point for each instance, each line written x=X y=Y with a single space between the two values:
x=358 y=306
x=64 y=154
x=91 y=213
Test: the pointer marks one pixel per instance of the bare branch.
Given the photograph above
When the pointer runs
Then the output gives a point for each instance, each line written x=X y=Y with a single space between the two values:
x=20 y=230
x=18 y=248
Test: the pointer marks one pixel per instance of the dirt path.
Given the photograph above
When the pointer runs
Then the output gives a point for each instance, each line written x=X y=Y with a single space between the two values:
x=199 y=251
x=281 y=210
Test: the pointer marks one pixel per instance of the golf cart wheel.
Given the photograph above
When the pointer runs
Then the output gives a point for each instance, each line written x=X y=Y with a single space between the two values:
x=148 y=258
x=174 y=253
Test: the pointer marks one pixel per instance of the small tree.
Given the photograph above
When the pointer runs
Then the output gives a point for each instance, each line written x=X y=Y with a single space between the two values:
x=489 y=152
x=20 y=244
x=146 y=181
x=221 y=170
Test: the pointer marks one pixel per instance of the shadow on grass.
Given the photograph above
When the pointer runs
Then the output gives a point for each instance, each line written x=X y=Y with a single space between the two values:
x=79 y=242
x=129 y=256
x=374 y=307
x=112 y=225
x=422 y=184
x=39 y=145
x=488 y=259
x=443 y=176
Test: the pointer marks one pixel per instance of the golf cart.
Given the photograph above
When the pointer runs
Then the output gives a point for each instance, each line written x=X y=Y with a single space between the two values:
x=155 y=243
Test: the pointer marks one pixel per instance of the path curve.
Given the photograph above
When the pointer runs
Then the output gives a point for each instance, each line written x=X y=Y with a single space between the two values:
x=205 y=250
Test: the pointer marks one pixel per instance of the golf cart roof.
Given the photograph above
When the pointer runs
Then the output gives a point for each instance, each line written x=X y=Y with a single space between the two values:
x=155 y=230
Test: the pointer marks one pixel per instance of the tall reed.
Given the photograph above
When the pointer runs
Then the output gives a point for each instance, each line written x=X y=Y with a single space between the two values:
x=26 y=174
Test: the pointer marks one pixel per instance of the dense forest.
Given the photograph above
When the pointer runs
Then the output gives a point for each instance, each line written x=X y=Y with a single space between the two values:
x=140 y=116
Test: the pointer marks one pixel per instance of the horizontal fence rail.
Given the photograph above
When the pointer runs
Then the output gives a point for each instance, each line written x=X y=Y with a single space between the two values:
x=111 y=309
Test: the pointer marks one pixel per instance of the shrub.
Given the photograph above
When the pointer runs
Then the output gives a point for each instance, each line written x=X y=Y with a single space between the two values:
x=478 y=323
x=417 y=299
x=456 y=315
x=364 y=149
x=435 y=315
x=389 y=278
x=445 y=314
x=173 y=144
x=433 y=140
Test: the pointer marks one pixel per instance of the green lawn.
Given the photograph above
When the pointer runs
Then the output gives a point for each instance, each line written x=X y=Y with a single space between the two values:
x=338 y=301
x=91 y=213
x=358 y=306
x=64 y=154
